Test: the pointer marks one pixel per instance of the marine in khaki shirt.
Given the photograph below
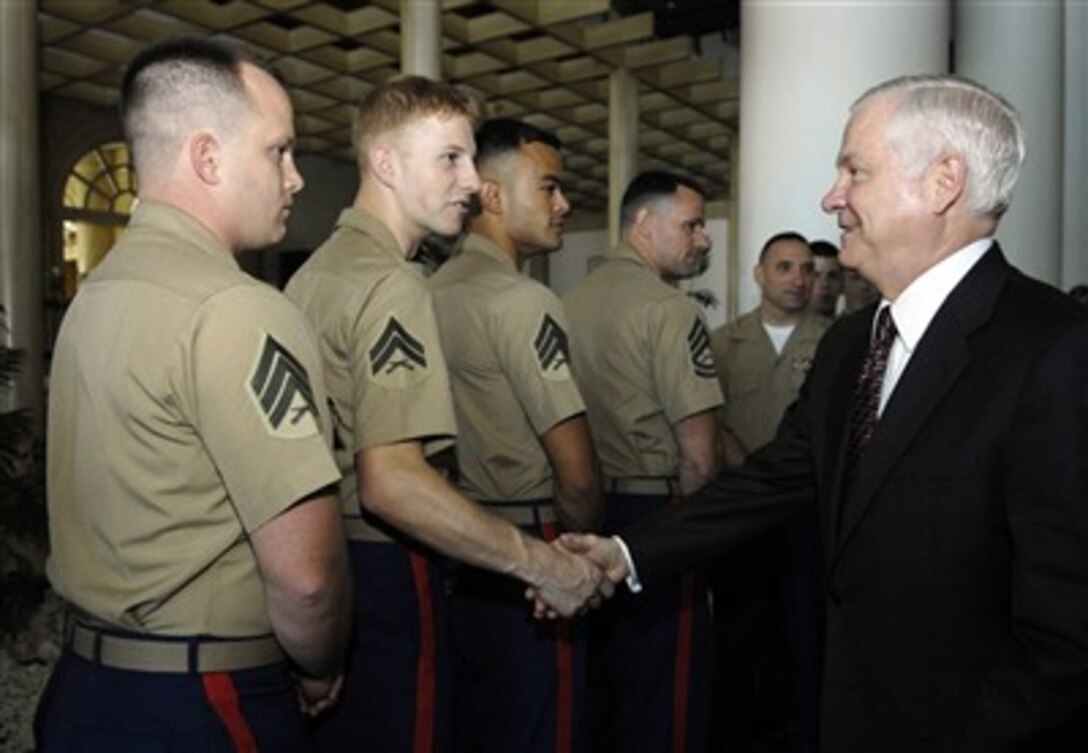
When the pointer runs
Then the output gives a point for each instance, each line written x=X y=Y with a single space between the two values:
x=192 y=526
x=524 y=449
x=178 y=433
x=379 y=344
x=758 y=382
x=387 y=379
x=642 y=358
x=505 y=339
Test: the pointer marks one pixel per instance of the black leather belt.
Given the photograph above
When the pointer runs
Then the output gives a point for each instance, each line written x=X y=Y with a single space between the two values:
x=648 y=485
x=524 y=513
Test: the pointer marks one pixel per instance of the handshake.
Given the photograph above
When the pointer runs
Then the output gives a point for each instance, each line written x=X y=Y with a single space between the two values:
x=578 y=572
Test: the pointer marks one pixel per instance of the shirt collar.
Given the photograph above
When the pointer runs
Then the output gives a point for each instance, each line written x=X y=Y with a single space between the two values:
x=365 y=222
x=626 y=252
x=172 y=219
x=478 y=244
x=916 y=306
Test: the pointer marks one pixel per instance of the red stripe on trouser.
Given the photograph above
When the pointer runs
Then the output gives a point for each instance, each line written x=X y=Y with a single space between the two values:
x=220 y=692
x=564 y=673
x=423 y=734
x=682 y=681
x=682 y=678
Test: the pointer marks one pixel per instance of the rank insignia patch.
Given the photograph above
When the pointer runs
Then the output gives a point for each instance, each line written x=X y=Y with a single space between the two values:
x=552 y=350
x=702 y=359
x=396 y=357
x=280 y=388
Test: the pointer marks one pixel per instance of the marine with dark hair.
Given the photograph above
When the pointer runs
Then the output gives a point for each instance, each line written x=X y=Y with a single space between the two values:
x=641 y=356
x=192 y=528
x=523 y=449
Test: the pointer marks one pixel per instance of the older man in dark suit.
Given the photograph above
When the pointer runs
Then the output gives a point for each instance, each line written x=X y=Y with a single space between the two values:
x=943 y=434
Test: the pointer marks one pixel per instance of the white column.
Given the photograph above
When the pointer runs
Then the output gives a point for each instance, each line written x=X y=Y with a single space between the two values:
x=622 y=143
x=1074 y=217
x=987 y=33
x=802 y=64
x=21 y=257
x=421 y=38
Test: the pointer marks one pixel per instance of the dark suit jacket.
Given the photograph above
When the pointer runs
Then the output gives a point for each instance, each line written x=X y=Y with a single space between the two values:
x=957 y=565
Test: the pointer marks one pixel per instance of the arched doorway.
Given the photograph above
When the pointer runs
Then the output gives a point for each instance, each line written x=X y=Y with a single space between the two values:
x=99 y=197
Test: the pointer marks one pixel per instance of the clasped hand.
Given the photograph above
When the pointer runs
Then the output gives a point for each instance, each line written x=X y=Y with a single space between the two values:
x=586 y=571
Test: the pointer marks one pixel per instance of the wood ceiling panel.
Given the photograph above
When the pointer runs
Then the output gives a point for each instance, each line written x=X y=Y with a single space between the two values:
x=548 y=61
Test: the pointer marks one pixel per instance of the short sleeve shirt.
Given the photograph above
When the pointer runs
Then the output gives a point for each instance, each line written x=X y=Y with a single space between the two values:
x=505 y=340
x=378 y=338
x=641 y=356
x=186 y=410
x=757 y=382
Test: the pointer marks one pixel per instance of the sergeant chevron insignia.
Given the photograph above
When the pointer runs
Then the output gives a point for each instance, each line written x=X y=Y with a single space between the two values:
x=280 y=388
x=397 y=359
x=702 y=358
x=552 y=350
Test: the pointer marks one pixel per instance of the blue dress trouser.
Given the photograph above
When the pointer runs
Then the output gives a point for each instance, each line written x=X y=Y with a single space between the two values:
x=88 y=708
x=396 y=693
x=651 y=656
x=519 y=681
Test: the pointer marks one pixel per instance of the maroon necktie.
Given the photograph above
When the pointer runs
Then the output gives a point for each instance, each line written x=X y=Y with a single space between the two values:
x=866 y=401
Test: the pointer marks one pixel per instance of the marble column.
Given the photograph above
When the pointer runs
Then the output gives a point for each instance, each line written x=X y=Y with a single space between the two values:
x=802 y=64
x=421 y=38
x=622 y=143
x=21 y=256
x=1031 y=79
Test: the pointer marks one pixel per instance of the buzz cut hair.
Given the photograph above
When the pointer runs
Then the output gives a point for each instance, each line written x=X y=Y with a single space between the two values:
x=402 y=100
x=650 y=187
x=177 y=86
x=500 y=136
x=786 y=235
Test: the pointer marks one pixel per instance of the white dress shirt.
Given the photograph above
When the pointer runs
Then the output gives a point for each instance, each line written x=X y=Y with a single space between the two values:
x=916 y=306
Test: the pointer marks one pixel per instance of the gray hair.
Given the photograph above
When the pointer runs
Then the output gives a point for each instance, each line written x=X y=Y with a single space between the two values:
x=937 y=115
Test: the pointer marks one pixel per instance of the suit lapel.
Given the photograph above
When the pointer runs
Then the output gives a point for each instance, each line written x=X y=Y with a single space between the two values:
x=937 y=362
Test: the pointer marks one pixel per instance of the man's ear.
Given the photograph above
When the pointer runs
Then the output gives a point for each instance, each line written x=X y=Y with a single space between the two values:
x=490 y=196
x=640 y=225
x=204 y=157
x=382 y=163
x=947 y=182
x=757 y=274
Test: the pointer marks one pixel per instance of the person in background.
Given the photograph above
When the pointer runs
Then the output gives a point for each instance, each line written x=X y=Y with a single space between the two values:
x=193 y=531
x=395 y=426
x=941 y=434
x=826 y=279
x=641 y=356
x=857 y=292
x=766 y=594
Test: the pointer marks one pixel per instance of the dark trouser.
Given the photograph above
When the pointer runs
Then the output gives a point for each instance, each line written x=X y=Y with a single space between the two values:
x=650 y=657
x=519 y=682
x=767 y=626
x=396 y=694
x=87 y=708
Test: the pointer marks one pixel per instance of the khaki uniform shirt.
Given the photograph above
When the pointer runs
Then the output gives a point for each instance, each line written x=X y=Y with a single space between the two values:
x=758 y=383
x=505 y=340
x=379 y=346
x=186 y=410
x=641 y=356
